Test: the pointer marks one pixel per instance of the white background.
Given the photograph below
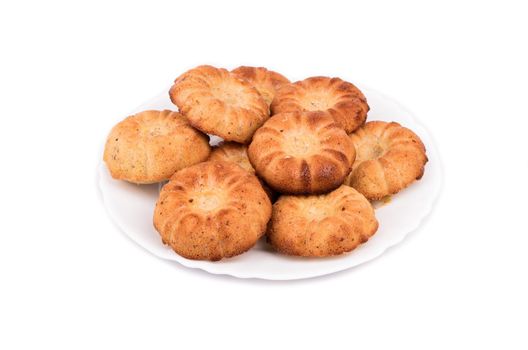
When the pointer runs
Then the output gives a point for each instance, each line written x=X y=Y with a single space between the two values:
x=70 y=279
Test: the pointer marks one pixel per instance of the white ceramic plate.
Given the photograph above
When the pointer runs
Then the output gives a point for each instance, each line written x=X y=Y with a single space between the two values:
x=132 y=206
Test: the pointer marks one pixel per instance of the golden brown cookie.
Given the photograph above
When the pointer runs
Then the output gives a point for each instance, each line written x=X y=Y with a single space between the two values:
x=232 y=152
x=266 y=82
x=302 y=153
x=237 y=153
x=152 y=145
x=321 y=225
x=389 y=158
x=217 y=102
x=212 y=210
x=341 y=99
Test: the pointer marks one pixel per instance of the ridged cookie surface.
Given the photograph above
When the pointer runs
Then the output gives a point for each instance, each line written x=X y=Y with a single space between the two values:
x=389 y=158
x=212 y=210
x=237 y=153
x=321 y=225
x=232 y=152
x=217 y=102
x=302 y=153
x=266 y=82
x=341 y=99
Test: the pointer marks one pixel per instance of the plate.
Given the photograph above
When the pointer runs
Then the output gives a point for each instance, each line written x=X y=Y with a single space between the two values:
x=132 y=206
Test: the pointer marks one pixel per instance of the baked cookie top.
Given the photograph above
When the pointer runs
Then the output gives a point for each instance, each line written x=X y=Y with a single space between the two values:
x=212 y=210
x=341 y=99
x=266 y=82
x=232 y=152
x=321 y=225
x=217 y=102
x=152 y=145
x=389 y=157
x=302 y=153
x=237 y=153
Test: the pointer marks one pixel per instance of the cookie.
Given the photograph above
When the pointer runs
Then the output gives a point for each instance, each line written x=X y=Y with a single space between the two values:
x=342 y=100
x=232 y=152
x=212 y=210
x=266 y=82
x=237 y=153
x=152 y=145
x=321 y=225
x=217 y=102
x=302 y=153
x=389 y=158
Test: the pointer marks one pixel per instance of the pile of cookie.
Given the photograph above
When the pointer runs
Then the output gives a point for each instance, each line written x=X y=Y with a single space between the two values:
x=304 y=146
